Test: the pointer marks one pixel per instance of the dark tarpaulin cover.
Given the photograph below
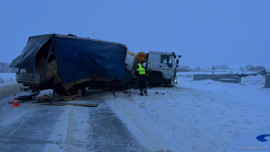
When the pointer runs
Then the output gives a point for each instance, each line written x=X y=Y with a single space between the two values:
x=27 y=58
x=78 y=58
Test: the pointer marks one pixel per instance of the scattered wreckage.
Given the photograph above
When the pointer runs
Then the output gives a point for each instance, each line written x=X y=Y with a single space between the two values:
x=69 y=64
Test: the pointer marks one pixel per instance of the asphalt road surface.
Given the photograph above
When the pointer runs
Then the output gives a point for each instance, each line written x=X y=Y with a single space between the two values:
x=36 y=128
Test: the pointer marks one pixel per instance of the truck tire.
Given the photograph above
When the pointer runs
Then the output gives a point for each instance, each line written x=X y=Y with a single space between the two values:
x=82 y=91
x=155 y=78
x=59 y=89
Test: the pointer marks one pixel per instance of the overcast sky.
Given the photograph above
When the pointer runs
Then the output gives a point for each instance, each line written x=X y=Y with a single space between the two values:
x=205 y=32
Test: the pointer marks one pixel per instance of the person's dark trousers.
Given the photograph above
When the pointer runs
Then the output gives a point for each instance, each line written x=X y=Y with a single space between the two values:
x=142 y=84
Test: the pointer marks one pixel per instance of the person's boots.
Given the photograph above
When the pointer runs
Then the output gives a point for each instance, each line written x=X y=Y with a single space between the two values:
x=141 y=92
x=145 y=91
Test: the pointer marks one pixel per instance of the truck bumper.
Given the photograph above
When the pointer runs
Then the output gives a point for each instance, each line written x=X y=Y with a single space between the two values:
x=174 y=81
x=29 y=78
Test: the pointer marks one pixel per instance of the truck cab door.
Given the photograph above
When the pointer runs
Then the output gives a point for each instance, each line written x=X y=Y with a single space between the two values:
x=162 y=62
x=166 y=61
x=167 y=65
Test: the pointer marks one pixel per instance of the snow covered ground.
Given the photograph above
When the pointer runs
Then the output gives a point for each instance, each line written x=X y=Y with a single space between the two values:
x=196 y=115
x=205 y=116
x=190 y=74
x=8 y=84
x=7 y=78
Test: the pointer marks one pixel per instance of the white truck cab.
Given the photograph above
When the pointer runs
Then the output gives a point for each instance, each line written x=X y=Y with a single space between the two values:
x=162 y=67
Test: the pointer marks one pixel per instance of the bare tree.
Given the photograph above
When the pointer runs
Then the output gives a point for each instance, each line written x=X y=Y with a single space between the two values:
x=213 y=68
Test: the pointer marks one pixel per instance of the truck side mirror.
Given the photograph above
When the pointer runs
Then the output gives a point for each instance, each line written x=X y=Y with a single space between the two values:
x=179 y=56
x=177 y=61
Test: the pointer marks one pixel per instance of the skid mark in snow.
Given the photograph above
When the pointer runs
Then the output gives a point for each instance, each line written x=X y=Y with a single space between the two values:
x=71 y=131
x=34 y=127
x=86 y=129
x=110 y=134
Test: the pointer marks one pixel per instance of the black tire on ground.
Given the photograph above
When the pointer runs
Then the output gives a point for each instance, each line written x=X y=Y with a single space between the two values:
x=83 y=92
x=59 y=89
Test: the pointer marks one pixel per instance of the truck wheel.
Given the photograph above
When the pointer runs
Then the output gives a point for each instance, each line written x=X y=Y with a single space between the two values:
x=83 y=92
x=59 y=89
x=155 y=78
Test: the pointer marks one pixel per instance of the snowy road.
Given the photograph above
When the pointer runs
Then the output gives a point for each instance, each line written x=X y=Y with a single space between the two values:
x=205 y=116
x=32 y=128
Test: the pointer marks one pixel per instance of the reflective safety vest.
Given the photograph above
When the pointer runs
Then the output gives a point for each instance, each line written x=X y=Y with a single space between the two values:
x=141 y=69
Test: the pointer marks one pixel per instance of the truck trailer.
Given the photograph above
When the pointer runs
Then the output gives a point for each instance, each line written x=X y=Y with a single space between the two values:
x=67 y=63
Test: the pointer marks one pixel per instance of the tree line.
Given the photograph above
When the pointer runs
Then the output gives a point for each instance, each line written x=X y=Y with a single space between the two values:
x=4 y=68
x=251 y=68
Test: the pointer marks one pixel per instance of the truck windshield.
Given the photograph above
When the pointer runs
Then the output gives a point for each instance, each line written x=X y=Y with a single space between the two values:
x=165 y=59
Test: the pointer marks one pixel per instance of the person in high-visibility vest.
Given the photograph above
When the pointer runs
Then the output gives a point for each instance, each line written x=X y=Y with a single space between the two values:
x=141 y=79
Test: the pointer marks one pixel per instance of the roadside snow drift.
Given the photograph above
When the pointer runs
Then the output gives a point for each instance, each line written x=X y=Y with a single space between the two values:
x=204 y=116
x=7 y=78
x=196 y=115
x=8 y=84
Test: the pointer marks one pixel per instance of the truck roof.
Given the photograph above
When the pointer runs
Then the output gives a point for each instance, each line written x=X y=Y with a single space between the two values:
x=72 y=36
x=160 y=52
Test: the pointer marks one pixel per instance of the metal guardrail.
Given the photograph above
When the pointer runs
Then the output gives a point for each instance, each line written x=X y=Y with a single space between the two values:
x=29 y=78
x=230 y=78
x=267 y=81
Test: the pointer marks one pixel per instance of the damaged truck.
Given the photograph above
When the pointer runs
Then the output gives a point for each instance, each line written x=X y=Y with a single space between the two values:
x=67 y=64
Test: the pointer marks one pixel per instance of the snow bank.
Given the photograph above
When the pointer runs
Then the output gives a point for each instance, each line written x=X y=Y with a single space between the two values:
x=8 y=84
x=194 y=116
x=7 y=78
x=9 y=89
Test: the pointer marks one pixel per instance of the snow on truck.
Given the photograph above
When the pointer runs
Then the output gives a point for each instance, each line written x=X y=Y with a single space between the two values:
x=67 y=63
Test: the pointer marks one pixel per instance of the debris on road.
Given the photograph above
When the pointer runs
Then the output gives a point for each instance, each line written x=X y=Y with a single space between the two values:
x=55 y=98
x=27 y=97
x=72 y=104
x=159 y=93
x=51 y=99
